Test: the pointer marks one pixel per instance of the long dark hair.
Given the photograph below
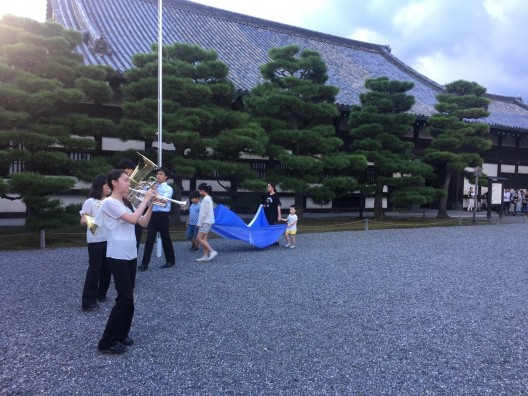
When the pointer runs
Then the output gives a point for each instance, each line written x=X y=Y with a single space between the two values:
x=273 y=186
x=96 y=191
x=205 y=187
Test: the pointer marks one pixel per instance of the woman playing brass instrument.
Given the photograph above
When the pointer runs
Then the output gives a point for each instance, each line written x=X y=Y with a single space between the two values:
x=98 y=274
x=121 y=254
x=129 y=167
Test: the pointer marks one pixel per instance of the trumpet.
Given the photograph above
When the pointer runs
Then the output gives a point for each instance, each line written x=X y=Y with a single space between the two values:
x=160 y=200
x=90 y=223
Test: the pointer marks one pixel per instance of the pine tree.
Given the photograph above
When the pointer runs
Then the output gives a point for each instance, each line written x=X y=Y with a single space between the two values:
x=378 y=129
x=457 y=136
x=298 y=110
x=39 y=74
x=209 y=134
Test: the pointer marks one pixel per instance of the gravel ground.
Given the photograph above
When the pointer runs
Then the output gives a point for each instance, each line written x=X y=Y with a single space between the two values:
x=436 y=311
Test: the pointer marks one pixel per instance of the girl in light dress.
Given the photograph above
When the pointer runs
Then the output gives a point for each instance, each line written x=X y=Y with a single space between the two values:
x=205 y=221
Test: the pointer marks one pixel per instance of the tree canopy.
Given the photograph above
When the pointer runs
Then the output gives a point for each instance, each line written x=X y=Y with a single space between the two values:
x=458 y=137
x=39 y=73
x=297 y=109
x=209 y=135
x=378 y=130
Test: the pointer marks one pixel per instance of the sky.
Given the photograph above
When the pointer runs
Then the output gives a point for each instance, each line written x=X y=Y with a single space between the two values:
x=445 y=40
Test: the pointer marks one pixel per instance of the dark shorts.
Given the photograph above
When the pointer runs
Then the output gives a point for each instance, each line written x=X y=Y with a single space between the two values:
x=190 y=233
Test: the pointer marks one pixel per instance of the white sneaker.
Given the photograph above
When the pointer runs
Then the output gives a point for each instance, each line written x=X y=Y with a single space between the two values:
x=292 y=247
x=287 y=245
x=203 y=258
x=212 y=255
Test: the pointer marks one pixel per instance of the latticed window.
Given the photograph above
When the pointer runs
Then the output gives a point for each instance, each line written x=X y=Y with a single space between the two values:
x=80 y=156
x=16 y=167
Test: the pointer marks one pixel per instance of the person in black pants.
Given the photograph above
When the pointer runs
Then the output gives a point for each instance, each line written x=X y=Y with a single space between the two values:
x=272 y=206
x=128 y=166
x=98 y=274
x=121 y=255
x=160 y=222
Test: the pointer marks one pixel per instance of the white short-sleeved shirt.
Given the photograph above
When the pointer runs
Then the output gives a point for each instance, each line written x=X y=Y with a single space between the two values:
x=91 y=206
x=290 y=219
x=121 y=235
x=206 y=214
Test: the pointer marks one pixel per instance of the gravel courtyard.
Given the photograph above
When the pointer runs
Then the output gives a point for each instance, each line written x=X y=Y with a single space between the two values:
x=436 y=311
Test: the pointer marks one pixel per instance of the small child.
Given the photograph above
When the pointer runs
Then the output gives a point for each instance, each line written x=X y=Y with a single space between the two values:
x=192 y=221
x=291 y=230
x=206 y=220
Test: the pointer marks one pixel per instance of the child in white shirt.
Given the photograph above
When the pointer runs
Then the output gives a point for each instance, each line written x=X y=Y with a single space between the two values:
x=206 y=220
x=291 y=229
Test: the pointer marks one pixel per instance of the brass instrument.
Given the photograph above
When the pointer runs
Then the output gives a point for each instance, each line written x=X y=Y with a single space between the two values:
x=137 y=182
x=159 y=200
x=139 y=186
x=90 y=223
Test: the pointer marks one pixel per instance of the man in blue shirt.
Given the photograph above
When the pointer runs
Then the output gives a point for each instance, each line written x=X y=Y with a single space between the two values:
x=159 y=222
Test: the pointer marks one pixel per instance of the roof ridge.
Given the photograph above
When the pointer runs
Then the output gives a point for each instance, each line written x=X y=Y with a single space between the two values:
x=510 y=99
x=218 y=13
x=214 y=12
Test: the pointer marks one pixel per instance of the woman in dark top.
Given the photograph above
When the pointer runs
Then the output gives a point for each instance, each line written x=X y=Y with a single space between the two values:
x=272 y=205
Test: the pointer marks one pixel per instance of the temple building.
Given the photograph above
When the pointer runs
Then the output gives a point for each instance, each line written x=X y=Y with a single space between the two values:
x=114 y=30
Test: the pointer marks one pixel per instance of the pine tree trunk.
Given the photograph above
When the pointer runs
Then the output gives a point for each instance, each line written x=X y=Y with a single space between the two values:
x=299 y=204
x=442 y=204
x=233 y=195
x=378 y=202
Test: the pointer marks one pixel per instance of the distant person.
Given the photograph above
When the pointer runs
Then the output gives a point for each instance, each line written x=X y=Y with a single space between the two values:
x=98 y=275
x=471 y=196
x=291 y=228
x=121 y=255
x=129 y=167
x=514 y=200
x=160 y=222
x=506 y=201
x=192 y=221
x=272 y=206
x=205 y=221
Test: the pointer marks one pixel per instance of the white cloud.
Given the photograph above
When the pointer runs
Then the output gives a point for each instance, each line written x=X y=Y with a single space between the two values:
x=415 y=16
x=34 y=9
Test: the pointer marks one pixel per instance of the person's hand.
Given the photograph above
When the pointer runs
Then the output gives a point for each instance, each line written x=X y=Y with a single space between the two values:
x=149 y=195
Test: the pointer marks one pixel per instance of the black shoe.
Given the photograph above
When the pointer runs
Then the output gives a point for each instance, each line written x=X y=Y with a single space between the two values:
x=276 y=244
x=191 y=248
x=101 y=299
x=142 y=267
x=115 y=348
x=90 y=307
x=167 y=265
x=127 y=341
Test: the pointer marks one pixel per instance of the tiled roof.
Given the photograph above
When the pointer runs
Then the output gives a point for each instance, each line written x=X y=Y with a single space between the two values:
x=117 y=29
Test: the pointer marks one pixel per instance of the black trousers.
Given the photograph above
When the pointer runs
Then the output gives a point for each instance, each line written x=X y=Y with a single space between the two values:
x=98 y=274
x=159 y=222
x=120 y=319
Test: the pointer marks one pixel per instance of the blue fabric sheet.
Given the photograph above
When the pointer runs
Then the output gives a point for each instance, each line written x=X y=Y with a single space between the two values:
x=257 y=233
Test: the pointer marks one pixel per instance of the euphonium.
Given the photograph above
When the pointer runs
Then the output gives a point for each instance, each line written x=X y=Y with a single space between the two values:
x=90 y=223
x=137 y=182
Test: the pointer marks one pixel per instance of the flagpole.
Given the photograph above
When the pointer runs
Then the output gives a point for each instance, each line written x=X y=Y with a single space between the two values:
x=160 y=79
x=160 y=101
